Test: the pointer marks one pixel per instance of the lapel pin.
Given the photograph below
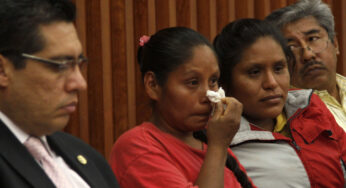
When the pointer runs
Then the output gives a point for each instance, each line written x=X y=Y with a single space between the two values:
x=82 y=159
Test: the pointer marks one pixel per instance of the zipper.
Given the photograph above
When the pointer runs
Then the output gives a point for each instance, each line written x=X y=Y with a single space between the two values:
x=295 y=145
x=297 y=113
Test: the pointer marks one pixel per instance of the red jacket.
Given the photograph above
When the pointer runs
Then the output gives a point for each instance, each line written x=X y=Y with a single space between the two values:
x=314 y=157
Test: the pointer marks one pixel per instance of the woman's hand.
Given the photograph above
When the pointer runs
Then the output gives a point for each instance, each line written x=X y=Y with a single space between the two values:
x=222 y=127
x=225 y=122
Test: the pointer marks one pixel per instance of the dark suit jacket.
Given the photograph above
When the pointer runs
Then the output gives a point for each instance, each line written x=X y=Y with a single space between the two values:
x=19 y=169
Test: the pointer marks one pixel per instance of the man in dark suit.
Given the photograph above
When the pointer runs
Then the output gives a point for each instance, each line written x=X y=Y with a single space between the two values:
x=40 y=60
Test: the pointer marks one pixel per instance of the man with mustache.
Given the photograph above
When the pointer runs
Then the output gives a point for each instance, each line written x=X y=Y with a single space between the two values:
x=40 y=78
x=308 y=26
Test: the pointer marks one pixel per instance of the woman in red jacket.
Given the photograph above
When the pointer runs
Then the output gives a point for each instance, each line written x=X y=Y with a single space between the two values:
x=178 y=66
x=286 y=138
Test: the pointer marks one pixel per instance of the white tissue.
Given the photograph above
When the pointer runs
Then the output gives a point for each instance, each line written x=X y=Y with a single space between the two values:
x=216 y=96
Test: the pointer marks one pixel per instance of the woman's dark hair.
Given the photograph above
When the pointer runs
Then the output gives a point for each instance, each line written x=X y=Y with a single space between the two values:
x=238 y=36
x=167 y=49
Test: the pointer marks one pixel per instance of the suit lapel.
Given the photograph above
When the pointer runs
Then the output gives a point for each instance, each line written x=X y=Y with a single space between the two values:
x=69 y=152
x=17 y=156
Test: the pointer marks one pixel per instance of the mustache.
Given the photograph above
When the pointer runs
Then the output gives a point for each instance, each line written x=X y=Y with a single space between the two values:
x=310 y=63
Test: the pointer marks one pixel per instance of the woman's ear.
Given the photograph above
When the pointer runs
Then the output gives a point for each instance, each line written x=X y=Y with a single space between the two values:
x=151 y=86
x=4 y=68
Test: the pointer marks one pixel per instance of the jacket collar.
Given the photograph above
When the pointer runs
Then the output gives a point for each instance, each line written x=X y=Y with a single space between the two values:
x=72 y=156
x=246 y=133
x=17 y=156
x=297 y=99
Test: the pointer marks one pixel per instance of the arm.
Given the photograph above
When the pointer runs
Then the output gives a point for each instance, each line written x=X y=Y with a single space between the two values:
x=340 y=134
x=222 y=127
x=343 y=150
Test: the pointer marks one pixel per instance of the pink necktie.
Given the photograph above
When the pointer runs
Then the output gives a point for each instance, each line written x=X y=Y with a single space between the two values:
x=40 y=153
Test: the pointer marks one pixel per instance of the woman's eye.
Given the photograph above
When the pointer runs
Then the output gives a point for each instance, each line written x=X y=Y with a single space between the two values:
x=278 y=68
x=195 y=82
x=192 y=82
x=253 y=72
x=214 y=82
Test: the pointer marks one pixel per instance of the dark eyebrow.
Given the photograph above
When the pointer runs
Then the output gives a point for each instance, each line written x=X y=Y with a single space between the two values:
x=290 y=39
x=282 y=61
x=81 y=56
x=312 y=31
x=190 y=73
x=66 y=57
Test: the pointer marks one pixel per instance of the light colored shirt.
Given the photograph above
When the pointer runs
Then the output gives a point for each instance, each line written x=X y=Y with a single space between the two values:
x=280 y=126
x=22 y=136
x=337 y=109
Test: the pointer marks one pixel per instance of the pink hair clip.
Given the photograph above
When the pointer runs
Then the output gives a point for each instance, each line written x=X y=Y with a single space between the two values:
x=143 y=40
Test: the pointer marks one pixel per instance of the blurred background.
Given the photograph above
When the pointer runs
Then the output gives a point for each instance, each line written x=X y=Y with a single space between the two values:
x=110 y=29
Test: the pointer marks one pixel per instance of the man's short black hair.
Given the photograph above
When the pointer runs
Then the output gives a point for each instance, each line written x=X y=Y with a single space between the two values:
x=20 y=21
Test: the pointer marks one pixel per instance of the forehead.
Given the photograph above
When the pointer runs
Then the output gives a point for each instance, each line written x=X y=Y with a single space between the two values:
x=60 y=38
x=263 y=50
x=302 y=27
x=203 y=58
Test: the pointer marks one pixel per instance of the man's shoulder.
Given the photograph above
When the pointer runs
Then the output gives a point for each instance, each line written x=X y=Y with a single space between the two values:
x=94 y=166
x=341 y=81
x=67 y=138
x=70 y=142
x=340 y=77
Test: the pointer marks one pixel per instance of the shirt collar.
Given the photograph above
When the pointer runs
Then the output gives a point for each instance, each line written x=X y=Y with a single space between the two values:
x=19 y=133
x=341 y=82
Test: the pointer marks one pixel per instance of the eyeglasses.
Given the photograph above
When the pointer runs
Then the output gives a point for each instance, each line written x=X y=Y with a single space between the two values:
x=316 y=45
x=61 y=64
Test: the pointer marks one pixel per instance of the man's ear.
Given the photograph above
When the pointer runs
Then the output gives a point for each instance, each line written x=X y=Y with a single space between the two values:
x=336 y=45
x=4 y=71
x=151 y=86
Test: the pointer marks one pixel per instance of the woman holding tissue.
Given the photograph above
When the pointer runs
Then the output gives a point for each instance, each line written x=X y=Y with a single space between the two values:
x=178 y=67
x=286 y=138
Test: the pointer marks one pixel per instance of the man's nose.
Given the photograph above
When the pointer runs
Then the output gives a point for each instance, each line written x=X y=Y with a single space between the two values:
x=76 y=81
x=307 y=54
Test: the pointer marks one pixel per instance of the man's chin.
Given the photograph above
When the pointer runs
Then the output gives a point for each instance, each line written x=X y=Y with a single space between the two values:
x=317 y=83
x=58 y=125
